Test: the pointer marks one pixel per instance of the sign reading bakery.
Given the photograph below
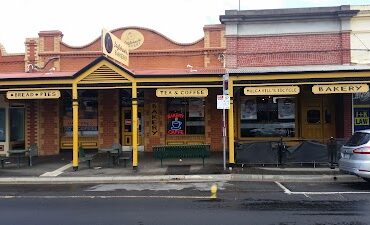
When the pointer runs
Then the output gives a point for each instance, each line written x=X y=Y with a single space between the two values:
x=340 y=88
x=40 y=94
x=182 y=92
x=113 y=47
x=272 y=90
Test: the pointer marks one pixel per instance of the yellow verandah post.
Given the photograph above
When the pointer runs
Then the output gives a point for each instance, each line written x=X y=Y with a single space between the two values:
x=231 y=122
x=75 y=125
x=134 y=127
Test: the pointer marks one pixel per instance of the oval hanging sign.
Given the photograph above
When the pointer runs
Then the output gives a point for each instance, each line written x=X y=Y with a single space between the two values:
x=133 y=38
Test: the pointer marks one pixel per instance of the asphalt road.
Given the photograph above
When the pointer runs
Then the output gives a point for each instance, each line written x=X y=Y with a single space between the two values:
x=187 y=203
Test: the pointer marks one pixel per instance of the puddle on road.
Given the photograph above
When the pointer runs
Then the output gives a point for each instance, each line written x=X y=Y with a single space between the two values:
x=158 y=186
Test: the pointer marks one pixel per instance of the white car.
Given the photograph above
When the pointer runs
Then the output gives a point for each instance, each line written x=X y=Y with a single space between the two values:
x=355 y=155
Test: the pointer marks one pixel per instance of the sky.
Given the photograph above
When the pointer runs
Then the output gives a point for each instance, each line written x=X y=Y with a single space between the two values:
x=81 y=21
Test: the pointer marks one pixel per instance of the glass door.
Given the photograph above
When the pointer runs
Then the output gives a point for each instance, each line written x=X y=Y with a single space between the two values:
x=127 y=127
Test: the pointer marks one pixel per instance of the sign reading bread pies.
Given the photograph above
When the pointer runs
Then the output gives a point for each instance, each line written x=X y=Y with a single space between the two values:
x=40 y=94
x=133 y=38
x=340 y=88
x=182 y=92
x=272 y=90
x=113 y=47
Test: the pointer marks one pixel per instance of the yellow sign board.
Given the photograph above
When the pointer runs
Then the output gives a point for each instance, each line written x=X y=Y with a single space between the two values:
x=340 y=88
x=39 y=94
x=272 y=90
x=113 y=47
x=133 y=38
x=182 y=92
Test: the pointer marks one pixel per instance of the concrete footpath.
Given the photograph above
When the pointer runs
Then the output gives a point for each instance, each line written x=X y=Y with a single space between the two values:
x=58 y=169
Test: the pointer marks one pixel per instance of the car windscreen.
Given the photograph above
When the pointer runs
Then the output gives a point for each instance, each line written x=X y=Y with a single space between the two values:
x=358 y=138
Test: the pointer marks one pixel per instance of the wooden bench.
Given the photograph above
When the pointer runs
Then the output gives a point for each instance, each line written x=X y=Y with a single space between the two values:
x=83 y=157
x=181 y=151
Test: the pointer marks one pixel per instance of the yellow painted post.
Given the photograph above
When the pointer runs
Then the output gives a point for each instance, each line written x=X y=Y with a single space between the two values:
x=75 y=126
x=134 y=126
x=231 y=122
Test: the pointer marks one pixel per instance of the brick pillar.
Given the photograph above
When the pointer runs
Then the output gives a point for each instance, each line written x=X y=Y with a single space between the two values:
x=231 y=52
x=213 y=121
x=154 y=120
x=346 y=48
x=347 y=115
x=109 y=126
x=49 y=127
x=31 y=55
x=31 y=123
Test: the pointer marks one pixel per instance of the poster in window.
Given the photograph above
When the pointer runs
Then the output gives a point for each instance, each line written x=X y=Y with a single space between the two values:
x=176 y=123
x=196 y=108
x=286 y=108
x=248 y=109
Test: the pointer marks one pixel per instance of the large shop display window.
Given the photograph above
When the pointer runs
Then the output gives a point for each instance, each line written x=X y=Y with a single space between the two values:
x=185 y=116
x=87 y=114
x=361 y=111
x=267 y=116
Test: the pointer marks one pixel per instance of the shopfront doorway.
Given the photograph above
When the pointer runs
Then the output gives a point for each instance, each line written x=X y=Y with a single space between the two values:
x=127 y=127
x=318 y=116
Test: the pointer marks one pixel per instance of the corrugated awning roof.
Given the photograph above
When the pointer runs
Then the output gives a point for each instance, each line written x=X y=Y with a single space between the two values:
x=24 y=75
x=179 y=72
x=299 y=69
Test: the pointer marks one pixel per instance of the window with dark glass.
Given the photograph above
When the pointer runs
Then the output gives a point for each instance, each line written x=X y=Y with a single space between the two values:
x=267 y=116
x=16 y=124
x=313 y=116
x=2 y=125
x=185 y=116
x=87 y=114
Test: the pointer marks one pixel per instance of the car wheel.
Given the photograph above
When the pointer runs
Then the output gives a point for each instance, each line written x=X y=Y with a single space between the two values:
x=367 y=179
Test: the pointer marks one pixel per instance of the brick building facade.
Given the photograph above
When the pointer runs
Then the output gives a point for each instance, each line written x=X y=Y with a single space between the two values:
x=271 y=50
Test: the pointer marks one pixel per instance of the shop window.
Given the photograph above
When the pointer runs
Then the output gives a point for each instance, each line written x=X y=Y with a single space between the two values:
x=267 y=116
x=2 y=125
x=313 y=116
x=16 y=124
x=87 y=114
x=185 y=116
x=361 y=111
x=126 y=99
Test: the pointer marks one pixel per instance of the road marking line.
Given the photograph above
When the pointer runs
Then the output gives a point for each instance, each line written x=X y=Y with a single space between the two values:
x=328 y=192
x=306 y=193
x=104 y=196
x=56 y=172
x=286 y=190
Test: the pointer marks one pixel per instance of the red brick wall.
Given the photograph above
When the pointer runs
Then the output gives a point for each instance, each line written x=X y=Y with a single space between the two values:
x=31 y=122
x=12 y=63
x=214 y=121
x=108 y=104
x=231 y=49
x=286 y=50
x=49 y=127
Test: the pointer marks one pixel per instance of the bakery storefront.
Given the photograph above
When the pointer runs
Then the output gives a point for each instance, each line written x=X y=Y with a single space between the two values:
x=296 y=109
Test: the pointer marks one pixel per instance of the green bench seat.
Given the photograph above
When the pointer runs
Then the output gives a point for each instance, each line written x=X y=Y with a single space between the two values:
x=83 y=157
x=181 y=151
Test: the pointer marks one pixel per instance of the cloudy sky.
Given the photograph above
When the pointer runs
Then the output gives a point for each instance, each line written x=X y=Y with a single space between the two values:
x=81 y=21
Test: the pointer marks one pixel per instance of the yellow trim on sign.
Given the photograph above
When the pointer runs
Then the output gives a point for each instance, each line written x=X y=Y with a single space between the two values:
x=350 y=74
